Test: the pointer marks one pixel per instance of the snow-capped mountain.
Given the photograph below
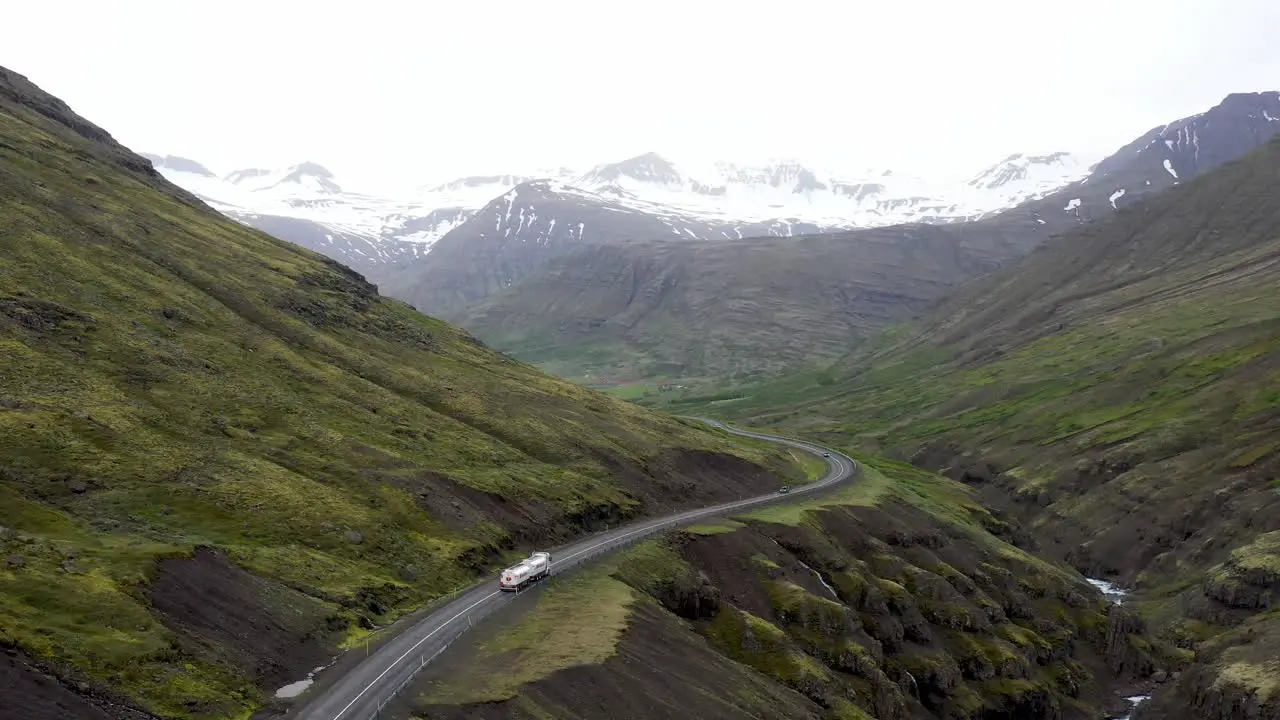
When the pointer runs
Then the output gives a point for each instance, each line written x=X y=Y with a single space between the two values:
x=175 y=164
x=522 y=230
x=788 y=189
x=1029 y=198
x=307 y=178
x=308 y=205
x=1019 y=177
x=1164 y=156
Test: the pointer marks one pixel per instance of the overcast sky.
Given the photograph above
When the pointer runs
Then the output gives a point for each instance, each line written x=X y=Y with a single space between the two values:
x=394 y=92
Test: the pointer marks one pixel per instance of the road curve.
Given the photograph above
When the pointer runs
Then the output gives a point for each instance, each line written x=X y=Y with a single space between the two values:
x=366 y=687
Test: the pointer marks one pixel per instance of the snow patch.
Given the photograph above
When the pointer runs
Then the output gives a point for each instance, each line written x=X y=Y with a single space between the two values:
x=510 y=198
x=295 y=689
x=1072 y=204
x=1116 y=196
x=1168 y=166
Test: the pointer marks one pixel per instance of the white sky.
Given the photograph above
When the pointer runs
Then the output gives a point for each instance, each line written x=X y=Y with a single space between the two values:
x=397 y=92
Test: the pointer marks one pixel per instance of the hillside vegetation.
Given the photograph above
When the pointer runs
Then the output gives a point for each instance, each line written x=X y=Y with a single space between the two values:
x=890 y=599
x=1118 y=391
x=693 y=311
x=226 y=456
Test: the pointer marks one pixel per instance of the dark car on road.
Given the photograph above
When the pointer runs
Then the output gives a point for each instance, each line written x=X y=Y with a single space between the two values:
x=784 y=489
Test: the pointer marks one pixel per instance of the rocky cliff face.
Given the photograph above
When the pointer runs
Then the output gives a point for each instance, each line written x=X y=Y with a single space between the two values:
x=527 y=229
x=693 y=309
x=1235 y=676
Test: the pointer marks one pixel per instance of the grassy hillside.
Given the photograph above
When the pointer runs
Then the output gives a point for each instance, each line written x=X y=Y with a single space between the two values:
x=226 y=456
x=1119 y=391
x=891 y=599
x=692 y=311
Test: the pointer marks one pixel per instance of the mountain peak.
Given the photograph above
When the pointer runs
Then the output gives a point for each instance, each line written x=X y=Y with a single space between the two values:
x=178 y=164
x=237 y=177
x=650 y=168
x=312 y=176
x=787 y=174
x=1238 y=107
x=310 y=168
x=1048 y=159
x=479 y=181
x=1263 y=107
x=1182 y=149
x=308 y=175
x=1246 y=99
x=1040 y=172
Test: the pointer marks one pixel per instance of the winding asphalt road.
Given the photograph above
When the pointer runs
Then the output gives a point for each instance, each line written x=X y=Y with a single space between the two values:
x=360 y=693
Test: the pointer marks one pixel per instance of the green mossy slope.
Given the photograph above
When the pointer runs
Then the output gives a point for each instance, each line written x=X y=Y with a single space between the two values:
x=172 y=380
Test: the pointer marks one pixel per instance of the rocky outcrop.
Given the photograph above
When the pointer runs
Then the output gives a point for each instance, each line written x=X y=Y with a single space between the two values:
x=1200 y=694
x=1126 y=649
x=1250 y=578
x=1235 y=676
x=883 y=606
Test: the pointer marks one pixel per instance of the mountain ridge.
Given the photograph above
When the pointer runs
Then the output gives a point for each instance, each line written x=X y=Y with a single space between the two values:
x=380 y=235
x=851 y=282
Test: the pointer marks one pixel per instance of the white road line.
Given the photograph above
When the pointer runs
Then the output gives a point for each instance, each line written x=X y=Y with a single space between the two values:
x=839 y=471
x=406 y=652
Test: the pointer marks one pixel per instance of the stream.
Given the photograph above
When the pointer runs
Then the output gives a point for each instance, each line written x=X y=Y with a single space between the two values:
x=1116 y=595
x=1112 y=593
x=1134 y=700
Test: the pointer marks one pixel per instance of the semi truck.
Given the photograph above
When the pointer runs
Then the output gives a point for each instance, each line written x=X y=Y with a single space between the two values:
x=526 y=572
